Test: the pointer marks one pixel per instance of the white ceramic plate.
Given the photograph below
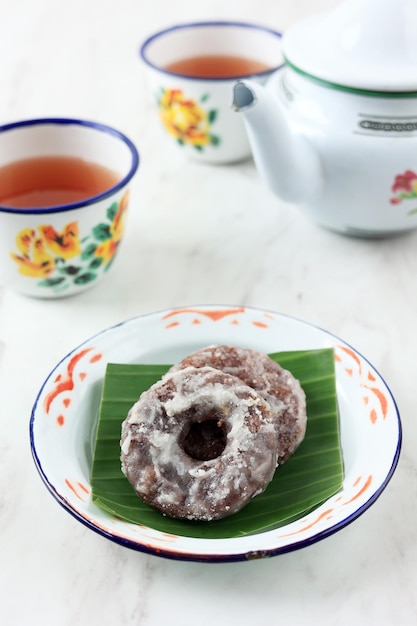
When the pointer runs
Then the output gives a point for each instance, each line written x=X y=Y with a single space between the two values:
x=62 y=425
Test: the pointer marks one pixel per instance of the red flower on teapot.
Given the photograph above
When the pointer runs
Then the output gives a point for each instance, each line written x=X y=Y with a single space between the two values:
x=404 y=186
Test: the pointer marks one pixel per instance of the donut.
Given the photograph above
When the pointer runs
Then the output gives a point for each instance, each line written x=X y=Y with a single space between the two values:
x=276 y=385
x=199 y=444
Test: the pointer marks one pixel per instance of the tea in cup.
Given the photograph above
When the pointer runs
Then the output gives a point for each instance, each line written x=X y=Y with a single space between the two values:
x=192 y=69
x=64 y=186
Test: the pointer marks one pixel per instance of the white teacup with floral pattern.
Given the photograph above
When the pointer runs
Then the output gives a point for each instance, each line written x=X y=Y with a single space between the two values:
x=63 y=250
x=195 y=110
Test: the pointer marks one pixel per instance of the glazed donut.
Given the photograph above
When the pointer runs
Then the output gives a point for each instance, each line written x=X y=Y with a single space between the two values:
x=276 y=385
x=199 y=444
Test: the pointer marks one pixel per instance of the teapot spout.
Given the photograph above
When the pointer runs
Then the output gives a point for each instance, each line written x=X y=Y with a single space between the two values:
x=286 y=160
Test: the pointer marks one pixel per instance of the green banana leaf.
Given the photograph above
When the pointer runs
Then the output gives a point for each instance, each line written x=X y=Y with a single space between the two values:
x=312 y=475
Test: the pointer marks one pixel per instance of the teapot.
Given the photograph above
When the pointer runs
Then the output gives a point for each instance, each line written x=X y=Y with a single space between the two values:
x=335 y=130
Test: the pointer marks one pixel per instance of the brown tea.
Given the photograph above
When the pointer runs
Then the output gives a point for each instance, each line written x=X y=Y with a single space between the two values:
x=217 y=66
x=47 y=181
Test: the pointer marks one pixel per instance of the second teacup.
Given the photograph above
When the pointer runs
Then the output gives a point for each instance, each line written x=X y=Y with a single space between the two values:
x=192 y=69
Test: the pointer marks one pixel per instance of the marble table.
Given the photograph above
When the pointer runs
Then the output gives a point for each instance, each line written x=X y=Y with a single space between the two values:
x=196 y=234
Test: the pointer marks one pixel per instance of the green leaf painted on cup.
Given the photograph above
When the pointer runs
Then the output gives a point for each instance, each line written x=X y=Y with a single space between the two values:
x=95 y=263
x=212 y=116
x=52 y=282
x=69 y=270
x=102 y=232
x=112 y=211
x=84 y=279
x=88 y=251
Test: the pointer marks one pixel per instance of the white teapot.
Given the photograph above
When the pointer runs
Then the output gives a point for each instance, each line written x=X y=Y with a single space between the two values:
x=336 y=129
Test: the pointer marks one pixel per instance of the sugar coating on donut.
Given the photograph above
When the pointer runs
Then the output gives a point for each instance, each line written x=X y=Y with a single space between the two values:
x=275 y=384
x=158 y=453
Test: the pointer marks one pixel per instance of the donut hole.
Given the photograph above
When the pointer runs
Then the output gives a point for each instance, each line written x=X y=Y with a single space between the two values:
x=205 y=439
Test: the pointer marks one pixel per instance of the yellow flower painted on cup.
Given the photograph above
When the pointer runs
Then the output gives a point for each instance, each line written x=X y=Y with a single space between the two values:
x=38 y=248
x=33 y=259
x=66 y=245
x=187 y=120
x=62 y=258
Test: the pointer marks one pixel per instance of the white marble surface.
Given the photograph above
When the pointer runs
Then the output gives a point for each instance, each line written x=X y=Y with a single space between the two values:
x=196 y=234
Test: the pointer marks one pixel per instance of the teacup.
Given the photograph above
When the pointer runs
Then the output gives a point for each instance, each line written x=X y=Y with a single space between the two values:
x=64 y=186
x=192 y=68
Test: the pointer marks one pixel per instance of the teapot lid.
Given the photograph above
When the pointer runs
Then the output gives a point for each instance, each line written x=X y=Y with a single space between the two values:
x=361 y=44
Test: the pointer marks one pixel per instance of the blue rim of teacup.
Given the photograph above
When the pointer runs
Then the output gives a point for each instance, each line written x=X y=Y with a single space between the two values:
x=216 y=23
x=92 y=199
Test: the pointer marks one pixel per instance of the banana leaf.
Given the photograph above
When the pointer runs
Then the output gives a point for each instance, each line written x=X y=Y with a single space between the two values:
x=312 y=475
